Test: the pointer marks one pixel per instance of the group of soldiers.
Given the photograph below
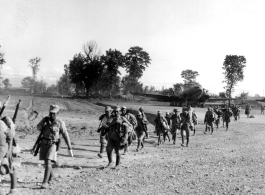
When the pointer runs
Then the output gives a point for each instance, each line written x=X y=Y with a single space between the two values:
x=118 y=130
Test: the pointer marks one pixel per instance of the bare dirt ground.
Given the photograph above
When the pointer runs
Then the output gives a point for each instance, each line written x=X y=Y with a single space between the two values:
x=227 y=162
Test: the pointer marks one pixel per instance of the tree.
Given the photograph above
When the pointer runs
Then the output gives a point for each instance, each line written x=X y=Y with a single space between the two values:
x=256 y=95
x=189 y=77
x=136 y=61
x=222 y=94
x=233 y=67
x=178 y=88
x=7 y=84
x=64 y=84
x=128 y=84
x=35 y=65
x=27 y=82
x=2 y=60
x=244 y=95
x=91 y=50
x=52 y=90
x=111 y=61
x=84 y=70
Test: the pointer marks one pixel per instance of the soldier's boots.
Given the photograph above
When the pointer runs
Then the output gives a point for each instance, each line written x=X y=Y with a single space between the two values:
x=110 y=160
x=100 y=154
x=13 y=192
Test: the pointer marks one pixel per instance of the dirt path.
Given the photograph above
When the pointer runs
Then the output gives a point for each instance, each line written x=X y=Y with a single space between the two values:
x=228 y=162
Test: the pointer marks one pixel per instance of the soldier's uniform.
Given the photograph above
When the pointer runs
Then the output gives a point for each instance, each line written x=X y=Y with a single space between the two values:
x=218 y=114
x=187 y=124
x=145 y=121
x=105 y=120
x=117 y=137
x=209 y=119
x=140 y=131
x=176 y=121
x=7 y=133
x=227 y=115
x=51 y=129
x=159 y=127
x=131 y=126
x=247 y=110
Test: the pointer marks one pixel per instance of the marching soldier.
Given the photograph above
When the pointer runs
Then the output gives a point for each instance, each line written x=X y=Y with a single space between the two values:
x=160 y=126
x=194 y=120
x=176 y=121
x=218 y=113
x=140 y=131
x=51 y=128
x=7 y=133
x=167 y=117
x=227 y=115
x=187 y=124
x=117 y=136
x=132 y=124
x=105 y=119
x=247 y=110
x=145 y=121
x=209 y=119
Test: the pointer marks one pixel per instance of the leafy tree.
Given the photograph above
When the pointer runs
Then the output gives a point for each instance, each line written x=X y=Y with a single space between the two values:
x=35 y=65
x=129 y=84
x=7 y=84
x=52 y=90
x=178 y=88
x=64 y=83
x=233 y=67
x=2 y=60
x=244 y=95
x=112 y=61
x=84 y=70
x=189 y=77
x=27 y=82
x=40 y=87
x=136 y=61
x=222 y=94
x=256 y=95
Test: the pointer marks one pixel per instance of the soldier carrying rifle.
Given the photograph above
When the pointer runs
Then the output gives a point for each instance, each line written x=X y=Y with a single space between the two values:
x=49 y=140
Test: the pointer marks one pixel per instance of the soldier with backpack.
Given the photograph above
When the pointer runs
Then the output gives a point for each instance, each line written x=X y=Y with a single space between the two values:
x=209 y=120
x=132 y=124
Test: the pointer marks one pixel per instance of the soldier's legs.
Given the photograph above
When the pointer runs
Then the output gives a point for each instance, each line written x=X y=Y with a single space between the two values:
x=47 y=173
x=182 y=136
x=102 y=145
x=117 y=151
x=188 y=135
x=167 y=135
x=13 y=178
x=140 y=140
x=226 y=123
x=128 y=141
x=146 y=131
x=109 y=148
x=211 y=126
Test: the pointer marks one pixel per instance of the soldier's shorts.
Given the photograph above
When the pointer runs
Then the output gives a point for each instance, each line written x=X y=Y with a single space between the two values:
x=140 y=135
x=48 y=151
x=112 y=144
x=174 y=129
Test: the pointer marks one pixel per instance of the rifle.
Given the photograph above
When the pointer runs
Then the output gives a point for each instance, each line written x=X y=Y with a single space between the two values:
x=4 y=106
x=37 y=144
x=14 y=120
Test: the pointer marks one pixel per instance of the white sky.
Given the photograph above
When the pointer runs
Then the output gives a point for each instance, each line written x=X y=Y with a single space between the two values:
x=177 y=34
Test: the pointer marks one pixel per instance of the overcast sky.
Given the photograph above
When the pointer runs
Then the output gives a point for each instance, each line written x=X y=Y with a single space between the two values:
x=177 y=34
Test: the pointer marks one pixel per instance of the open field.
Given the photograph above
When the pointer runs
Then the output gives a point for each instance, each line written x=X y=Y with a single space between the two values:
x=227 y=162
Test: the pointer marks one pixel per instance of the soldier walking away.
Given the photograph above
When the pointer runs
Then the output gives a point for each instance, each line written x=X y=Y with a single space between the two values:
x=160 y=126
x=51 y=128
x=227 y=115
x=176 y=121
x=218 y=114
x=262 y=109
x=194 y=120
x=145 y=121
x=187 y=124
x=105 y=119
x=209 y=120
x=117 y=136
x=7 y=133
x=167 y=117
x=140 y=131
x=132 y=124
x=247 y=110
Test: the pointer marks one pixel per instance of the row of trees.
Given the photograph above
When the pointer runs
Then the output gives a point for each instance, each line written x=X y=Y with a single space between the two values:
x=90 y=72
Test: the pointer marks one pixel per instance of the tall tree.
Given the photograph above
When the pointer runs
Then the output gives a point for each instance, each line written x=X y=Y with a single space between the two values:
x=189 y=77
x=64 y=83
x=178 y=88
x=27 y=82
x=233 y=67
x=128 y=84
x=112 y=61
x=34 y=64
x=136 y=61
x=85 y=70
x=222 y=94
x=7 y=84
x=2 y=60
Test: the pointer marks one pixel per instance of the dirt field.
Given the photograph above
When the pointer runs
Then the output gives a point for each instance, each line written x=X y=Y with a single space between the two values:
x=227 y=162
